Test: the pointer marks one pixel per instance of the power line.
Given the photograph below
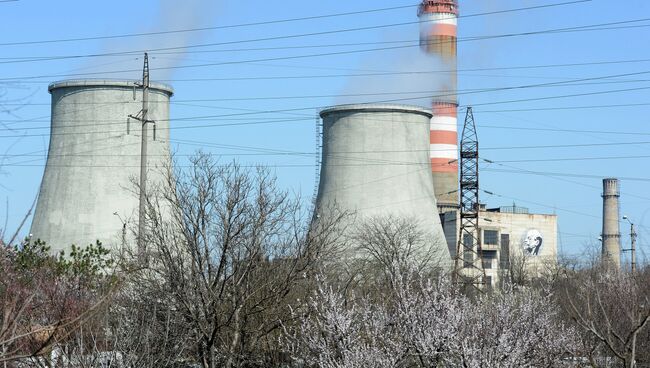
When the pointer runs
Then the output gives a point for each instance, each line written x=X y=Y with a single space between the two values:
x=561 y=177
x=561 y=96
x=547 y=31
x=280 y=120
x=563 y=83
x=565 y=130
x=275 y=151
x=428 y=96
x=561 y=174
x=23 y=59
x=547 y=206
x=565 y=145
x=389 y=73
x=378 y=164
x=568 y=107
x=281 y=21
x=577 y=159
x=540 y=204
x=142 y=34
x=340 y=155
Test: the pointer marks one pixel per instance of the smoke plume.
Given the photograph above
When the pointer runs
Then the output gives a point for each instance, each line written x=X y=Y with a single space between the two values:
x=405 y=76
x=170 y=15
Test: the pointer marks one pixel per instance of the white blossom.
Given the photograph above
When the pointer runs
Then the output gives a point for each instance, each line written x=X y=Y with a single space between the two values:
x=421 y=323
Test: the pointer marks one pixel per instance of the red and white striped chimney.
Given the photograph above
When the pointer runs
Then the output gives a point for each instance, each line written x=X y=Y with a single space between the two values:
x=438 y=37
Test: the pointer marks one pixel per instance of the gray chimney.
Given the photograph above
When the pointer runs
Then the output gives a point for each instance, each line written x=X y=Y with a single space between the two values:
x=611 y=232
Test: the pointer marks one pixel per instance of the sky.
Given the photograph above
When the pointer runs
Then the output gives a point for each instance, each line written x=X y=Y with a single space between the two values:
x=559 y=93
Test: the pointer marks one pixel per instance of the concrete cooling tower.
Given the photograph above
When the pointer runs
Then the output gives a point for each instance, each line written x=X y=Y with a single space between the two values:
x=375 y=163
x=87 y=192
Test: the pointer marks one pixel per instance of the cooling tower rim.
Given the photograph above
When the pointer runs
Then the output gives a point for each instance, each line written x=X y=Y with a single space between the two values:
x=108 y=83
x=376 y=108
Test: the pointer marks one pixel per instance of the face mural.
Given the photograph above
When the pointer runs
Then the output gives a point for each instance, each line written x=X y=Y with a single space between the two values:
x=532 y=242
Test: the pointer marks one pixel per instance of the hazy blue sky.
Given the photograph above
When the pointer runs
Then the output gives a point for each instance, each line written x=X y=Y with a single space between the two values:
x=608 y=65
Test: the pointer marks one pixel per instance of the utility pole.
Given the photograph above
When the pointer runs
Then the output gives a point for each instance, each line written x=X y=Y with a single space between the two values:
x=633 y=244
x=142 y=116
x=633 y=239
x=468 y=264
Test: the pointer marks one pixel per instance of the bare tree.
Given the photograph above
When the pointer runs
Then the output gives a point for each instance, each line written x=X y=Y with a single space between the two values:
x=394 y=244
x=414 y=318
x=228 y=251
x=129 y=332
x=613 y=309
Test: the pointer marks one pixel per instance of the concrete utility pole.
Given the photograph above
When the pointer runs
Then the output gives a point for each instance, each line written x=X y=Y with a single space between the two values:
x=142 y=117
x=633 y=244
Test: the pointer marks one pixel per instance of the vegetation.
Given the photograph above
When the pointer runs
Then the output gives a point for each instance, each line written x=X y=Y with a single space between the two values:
x=45 y=298
x=234 y=275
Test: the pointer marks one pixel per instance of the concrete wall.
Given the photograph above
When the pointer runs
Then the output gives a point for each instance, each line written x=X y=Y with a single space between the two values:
x=92 y=160
x=522 y=230
x=376 y=163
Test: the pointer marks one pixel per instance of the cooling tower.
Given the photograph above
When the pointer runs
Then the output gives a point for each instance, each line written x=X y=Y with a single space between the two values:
x=87 y=192
x=375 y=163
x=611 y=236
x=438 y=37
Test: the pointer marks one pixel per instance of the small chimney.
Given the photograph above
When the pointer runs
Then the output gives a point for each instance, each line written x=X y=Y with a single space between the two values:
x=611 y=236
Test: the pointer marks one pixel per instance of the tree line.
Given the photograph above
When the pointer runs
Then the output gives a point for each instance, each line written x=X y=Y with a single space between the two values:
x=236 y=274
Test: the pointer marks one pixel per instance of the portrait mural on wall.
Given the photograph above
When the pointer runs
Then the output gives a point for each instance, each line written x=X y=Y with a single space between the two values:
x=532 y=242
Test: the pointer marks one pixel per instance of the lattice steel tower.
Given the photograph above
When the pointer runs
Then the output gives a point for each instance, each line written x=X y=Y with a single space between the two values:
x=468 y=264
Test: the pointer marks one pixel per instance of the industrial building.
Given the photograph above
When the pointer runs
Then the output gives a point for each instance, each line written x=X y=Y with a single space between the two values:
x=377 y=160
x=372 y=159
x=88 y=191
x=375 y=163
x=510 y=236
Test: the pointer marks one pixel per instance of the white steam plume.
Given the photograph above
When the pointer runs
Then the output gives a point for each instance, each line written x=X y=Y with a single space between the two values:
x=170 y=15
x=410 y=63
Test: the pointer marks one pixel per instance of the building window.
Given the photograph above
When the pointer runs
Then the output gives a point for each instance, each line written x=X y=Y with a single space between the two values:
x=468 y=258
x=488 y=259
x=468 y=241
x=490 y=237
x=504 y=257
x=468 y=255
x=487 y=264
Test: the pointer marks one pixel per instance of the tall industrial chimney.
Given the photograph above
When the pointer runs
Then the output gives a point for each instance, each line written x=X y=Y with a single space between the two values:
x=375 y=163
x=611 y=236
x=87 y=192
x=438 y=37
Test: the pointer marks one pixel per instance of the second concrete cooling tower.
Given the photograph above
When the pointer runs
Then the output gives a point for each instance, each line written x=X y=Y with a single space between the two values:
x=87 y=192
x=376 y=163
